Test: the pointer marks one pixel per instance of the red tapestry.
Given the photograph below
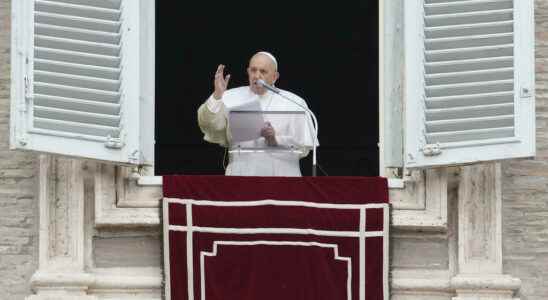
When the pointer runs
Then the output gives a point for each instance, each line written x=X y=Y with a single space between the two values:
x=272 y=238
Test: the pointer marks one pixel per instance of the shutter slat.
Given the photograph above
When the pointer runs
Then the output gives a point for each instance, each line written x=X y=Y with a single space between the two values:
x=466 y=6
x=78 y=93
x=77 y=34
x=77 y=57
x=469 y=41
x=469 y=18
x=76 y=69
x=470 y=53
x=113 y=4
x=77 y=104
x=470 y=135
x=76 y=46
x=85 y=11
x=76 y=116
x=462 y=112
x=470 y=76
x=470 y=124
x=469 y=64
x=75 y=127
x=470 y=100
x=469 y=88
x=77 y=22
x=469 y=29
x=442 y=1
x=76 y=81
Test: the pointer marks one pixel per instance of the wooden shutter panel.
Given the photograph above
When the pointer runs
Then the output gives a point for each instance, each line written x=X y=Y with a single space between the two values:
x=469 y=81
x=81 y=79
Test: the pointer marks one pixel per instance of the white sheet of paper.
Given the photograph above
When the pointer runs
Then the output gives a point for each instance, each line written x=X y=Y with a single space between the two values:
x=245 y=121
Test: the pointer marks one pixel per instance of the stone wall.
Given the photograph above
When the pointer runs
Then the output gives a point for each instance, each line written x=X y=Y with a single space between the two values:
x=525 y=189
x=18 y=183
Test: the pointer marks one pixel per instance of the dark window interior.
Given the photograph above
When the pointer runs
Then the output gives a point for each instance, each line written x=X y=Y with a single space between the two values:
x=327 y=54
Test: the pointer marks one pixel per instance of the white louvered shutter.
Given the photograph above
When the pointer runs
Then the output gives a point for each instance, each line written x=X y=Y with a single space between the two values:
x=77 y=63
x=469 y=81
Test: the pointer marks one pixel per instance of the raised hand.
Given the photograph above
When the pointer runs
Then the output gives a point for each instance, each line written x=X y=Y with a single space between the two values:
x=220 y=82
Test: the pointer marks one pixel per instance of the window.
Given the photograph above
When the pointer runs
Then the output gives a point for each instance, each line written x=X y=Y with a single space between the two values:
x=328 y=56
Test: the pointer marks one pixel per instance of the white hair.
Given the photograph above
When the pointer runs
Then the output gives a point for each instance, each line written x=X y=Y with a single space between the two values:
x=269 y=55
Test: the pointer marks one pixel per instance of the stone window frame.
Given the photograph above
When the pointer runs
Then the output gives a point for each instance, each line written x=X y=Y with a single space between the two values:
x=419 y=200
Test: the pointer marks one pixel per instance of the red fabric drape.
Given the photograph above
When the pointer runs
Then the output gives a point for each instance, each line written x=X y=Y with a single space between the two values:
x=358 y=190
x=231 y=263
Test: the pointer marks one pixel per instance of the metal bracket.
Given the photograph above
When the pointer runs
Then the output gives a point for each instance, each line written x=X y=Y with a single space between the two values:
x=22 y=141
x=23 y=105
x=431 y=149
x=526 y=92
x=114 y=143
x=134 y=156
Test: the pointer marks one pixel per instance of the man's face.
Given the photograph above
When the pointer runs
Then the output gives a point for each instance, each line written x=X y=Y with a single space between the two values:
x=261 y=67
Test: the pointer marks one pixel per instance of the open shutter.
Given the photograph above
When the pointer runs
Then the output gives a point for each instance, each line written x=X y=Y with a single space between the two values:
x=469 y=81
x=75 y=78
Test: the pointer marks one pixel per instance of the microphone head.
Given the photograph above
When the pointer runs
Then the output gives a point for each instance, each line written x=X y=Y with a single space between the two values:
x=267 y=86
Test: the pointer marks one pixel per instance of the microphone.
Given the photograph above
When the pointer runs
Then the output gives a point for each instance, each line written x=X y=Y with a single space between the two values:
x=267 y=86
x=313 y=127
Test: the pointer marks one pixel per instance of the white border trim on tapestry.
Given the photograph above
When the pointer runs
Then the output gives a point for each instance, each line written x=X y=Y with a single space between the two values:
x=167 y=266
x=276 y=243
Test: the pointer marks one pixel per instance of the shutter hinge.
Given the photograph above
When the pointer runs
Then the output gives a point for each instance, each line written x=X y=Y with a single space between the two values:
x=134 y=157
x=431 y=149
x=526 y=92
x=28 y=97
x=22 y=141
x=114 y=143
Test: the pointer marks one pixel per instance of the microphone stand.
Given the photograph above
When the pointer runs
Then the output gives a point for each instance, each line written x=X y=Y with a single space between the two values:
x=313 y=127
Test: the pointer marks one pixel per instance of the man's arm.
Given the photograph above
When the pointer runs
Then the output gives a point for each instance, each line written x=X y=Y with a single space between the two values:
x=211 y=114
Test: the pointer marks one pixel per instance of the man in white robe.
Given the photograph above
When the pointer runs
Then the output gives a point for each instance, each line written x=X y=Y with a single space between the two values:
x=284 y=138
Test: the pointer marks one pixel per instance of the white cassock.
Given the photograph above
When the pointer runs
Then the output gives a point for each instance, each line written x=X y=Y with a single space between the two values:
x=293 y=131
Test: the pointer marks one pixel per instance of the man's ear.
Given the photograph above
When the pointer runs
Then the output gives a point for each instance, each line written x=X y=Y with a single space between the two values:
x=276 y=76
